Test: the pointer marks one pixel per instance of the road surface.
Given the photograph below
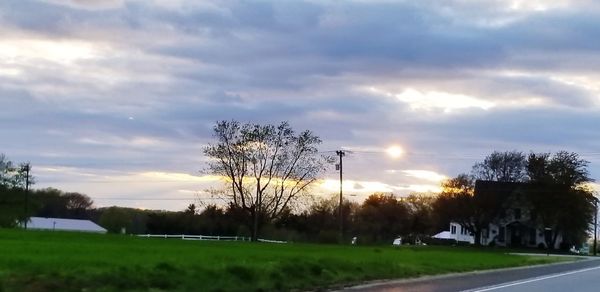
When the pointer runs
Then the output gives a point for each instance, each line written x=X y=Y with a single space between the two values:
x=577 y=276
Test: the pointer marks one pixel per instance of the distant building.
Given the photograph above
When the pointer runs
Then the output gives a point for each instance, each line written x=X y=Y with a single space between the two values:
x=456 y=233
x=515 y=225
x=39 y=223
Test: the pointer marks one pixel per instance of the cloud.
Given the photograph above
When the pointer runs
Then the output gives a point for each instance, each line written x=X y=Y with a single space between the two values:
x=453 y=81
x=436 y=100
x=426 y=175
x=89 y=4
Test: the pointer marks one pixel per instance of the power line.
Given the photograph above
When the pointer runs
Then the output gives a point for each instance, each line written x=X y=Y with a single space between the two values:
x=153 y=199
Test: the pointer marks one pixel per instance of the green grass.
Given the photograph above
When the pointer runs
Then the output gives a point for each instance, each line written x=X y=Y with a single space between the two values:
x=56 y=261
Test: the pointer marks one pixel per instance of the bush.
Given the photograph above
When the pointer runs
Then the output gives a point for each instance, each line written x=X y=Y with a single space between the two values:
x=327 y=236
x=437 y=241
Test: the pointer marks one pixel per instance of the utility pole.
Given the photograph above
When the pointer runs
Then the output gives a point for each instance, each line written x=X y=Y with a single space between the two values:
x=341 y=154
x=595 y=227
x=27 y=168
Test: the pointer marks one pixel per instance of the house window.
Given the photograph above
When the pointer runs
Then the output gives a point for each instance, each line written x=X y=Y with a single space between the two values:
x=463 y=230
x=501 y=232
x=453 y=229
x=517 y=214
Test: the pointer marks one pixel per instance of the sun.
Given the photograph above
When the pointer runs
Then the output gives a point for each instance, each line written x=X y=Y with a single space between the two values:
x=395 y=151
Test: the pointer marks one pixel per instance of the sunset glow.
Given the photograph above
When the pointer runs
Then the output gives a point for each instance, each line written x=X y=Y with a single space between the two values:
x=395 y=151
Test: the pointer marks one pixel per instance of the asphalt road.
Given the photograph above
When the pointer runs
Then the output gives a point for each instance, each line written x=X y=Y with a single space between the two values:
x=577 y=276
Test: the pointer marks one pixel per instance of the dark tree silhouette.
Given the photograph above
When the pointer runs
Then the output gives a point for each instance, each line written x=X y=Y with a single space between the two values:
x=559 y=195
x=509 y=166
x=382 y=217
x=473 y=210
x=267 y=167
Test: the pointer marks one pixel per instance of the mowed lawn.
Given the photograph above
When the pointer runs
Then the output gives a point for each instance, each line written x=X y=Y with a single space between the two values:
x=57 y=261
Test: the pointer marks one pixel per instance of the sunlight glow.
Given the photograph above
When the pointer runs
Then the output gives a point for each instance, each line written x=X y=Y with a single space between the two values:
x=395 y=151
x=427 y=175
x=362 y=188
x=536 y=5
x=354 y=187
x=178 y=177
x=64 y=52
x=430 y=100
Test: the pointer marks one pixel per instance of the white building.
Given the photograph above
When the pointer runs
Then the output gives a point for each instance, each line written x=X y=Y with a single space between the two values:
x=39 y=223
x=457 y=233
x=515 y=225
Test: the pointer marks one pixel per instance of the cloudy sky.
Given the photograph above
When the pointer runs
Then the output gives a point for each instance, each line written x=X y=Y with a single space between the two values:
x=116 y=99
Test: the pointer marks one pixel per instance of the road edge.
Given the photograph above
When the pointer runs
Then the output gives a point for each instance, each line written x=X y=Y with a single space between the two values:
x=376 y=283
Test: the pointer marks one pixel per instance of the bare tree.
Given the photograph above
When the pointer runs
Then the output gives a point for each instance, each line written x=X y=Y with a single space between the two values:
x=267 y=167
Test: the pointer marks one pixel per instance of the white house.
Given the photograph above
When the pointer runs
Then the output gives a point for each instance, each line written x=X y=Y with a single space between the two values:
x=77 y=225
x=514 y=226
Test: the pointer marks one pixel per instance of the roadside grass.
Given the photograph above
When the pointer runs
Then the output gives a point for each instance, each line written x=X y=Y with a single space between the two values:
x=60 y=261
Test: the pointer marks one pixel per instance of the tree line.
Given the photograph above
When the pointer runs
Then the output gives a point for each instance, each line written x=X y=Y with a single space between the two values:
x=269 y=170
x=379 y=218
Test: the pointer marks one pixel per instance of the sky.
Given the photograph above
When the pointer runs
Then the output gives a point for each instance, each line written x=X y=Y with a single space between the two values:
x=116 y=99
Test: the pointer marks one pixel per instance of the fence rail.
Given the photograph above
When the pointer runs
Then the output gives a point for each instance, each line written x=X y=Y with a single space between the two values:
x=207 y=237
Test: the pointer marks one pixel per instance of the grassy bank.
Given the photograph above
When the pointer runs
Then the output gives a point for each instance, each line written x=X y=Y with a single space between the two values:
x=55 y=261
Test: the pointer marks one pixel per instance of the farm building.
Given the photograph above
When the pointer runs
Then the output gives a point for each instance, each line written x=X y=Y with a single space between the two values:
x=77 y=225
x=514 y=225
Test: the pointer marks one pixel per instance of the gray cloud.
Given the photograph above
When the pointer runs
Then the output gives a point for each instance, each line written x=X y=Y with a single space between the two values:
x=137 y=85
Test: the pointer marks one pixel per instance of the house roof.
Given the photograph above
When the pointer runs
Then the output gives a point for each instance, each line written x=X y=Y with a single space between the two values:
x=64 y=224
x=443 y=235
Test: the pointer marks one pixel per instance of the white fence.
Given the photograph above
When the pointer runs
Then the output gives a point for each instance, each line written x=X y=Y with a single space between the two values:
x=205 y=237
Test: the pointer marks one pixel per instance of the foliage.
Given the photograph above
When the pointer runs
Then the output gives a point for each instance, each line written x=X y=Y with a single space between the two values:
x=382 y=217
x=115 y=219
x=12 y=176
x=559 y=194
x=12 y=206
x=57 y=261
x=58 y=204
x=422 y=218
x=562 y=168
x=506 y=166
x=459 y=203
x=267 y=166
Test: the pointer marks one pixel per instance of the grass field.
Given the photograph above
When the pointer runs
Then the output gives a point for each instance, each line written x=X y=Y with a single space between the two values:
x=55 y=261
